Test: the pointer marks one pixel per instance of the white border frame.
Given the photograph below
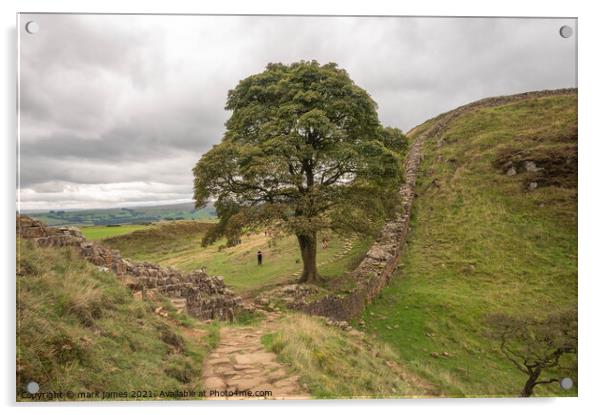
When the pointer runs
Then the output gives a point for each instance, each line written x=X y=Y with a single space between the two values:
x=590 y=144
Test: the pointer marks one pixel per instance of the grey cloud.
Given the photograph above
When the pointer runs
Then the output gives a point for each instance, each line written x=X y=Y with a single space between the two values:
x=171 y=171
x=147 y=138
x=129 y=100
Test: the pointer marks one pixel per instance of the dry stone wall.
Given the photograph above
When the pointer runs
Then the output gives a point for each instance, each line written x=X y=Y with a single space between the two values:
x=381 y=260
x=206 y=296
x=379 y=264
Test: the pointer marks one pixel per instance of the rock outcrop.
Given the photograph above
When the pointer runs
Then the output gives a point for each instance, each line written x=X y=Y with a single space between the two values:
x=206 y=296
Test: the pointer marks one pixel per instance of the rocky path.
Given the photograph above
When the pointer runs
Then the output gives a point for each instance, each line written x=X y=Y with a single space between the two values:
x=241 y=363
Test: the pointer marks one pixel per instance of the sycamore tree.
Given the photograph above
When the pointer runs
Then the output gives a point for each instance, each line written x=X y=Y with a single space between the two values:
x=303 y=153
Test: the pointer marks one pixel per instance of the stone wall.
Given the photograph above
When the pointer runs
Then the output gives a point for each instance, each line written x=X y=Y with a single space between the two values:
x=206 y=296
x=381 y=260
x=379 y=264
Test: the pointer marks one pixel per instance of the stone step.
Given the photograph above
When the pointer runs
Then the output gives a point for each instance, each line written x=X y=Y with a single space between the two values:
x=179 y=304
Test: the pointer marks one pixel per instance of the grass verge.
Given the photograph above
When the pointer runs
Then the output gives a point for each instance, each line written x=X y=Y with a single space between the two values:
x=335 y=364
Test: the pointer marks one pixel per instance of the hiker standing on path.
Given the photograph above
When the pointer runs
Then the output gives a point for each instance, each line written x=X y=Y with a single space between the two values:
x=259 y=257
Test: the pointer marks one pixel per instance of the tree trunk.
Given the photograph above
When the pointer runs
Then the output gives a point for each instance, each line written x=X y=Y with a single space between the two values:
x=308 y=246
x=530 y=384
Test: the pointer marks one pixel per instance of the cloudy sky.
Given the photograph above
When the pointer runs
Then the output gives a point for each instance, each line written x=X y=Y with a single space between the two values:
x=116 y=110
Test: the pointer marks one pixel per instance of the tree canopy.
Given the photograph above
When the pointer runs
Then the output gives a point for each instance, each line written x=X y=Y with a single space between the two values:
x=535 y=345
x=303 y=152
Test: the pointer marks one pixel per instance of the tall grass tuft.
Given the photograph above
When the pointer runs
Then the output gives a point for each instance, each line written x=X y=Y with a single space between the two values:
x=335 y=364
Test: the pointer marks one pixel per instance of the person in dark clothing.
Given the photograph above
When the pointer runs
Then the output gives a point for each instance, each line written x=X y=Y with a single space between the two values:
x=259 y=257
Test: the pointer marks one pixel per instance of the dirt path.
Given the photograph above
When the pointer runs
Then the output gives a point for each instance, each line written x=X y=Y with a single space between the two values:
x=241 y=363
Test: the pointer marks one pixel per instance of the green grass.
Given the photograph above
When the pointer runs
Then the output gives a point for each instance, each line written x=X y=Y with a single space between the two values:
x=80 y=329
x=178 y=244
x=94 y=233
x=335 y=364
x=162 y=239
x=482 y=243
x=334 y=268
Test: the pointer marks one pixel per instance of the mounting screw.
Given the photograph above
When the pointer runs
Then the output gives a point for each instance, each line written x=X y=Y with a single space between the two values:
x=566 y=31
x=32 y=27
x=33 y=387
x=566 y=383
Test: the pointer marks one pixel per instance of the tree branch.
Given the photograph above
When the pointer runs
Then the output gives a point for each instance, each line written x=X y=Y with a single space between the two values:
x=540 y=382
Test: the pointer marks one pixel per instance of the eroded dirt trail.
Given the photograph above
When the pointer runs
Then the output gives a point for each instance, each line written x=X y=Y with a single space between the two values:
x=241 y=363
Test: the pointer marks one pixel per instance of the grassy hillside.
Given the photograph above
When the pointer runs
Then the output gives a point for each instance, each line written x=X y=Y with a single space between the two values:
x=80 y=329
x=486 y=239
x=94 y=233
x=337 y=364
x=159 y=239
x=115 y=216
x=178 y=244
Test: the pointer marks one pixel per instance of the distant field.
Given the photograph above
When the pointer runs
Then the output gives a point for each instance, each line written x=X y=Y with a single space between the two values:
x=123 y=216
x=178 y=244
x=482 y=242
x=93 y=233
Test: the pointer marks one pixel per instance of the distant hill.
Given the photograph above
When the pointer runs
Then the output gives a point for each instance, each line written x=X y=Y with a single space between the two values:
x=118 y=216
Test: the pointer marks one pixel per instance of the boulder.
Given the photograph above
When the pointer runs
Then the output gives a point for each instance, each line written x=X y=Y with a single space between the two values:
x=530 y=166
